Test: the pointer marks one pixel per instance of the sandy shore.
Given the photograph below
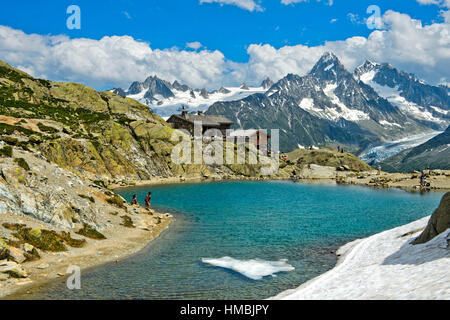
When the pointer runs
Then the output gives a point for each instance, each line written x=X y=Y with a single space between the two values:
x=384 y=267
x=121 y=242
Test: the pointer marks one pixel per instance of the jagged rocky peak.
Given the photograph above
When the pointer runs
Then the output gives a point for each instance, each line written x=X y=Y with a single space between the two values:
x=204 y=93
x=224 y=90
x=328 y=67
x=267 y=83
x=180 y=87
x=365 y=68
x=135 y=88
x=245 y=87
x=119 y=91
x=157 y=88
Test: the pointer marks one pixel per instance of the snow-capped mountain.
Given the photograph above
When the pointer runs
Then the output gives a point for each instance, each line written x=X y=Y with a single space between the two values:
x=166 y=99
x=427 y=104
x=374 y=105
x=328 y=106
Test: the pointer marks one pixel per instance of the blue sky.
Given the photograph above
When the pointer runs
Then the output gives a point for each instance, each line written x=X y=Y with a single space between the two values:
x=227 y=28
x=231 y=30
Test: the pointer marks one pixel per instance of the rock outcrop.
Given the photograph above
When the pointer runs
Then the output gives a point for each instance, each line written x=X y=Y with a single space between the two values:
x=439 y=222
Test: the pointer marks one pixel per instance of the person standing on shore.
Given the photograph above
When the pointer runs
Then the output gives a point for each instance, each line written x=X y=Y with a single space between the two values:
x=148 y=201
x=134 y=201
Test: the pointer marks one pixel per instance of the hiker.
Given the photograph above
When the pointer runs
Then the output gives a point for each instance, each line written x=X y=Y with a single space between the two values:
x=422 y=180
x=379 y=170
x=134 y=201
x=148 y=201
x=339 y=149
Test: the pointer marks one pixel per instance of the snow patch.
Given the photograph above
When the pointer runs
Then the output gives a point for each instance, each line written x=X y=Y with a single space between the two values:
x=385 y=266
x=343 y=111
x=254 y=269
x=389 y=124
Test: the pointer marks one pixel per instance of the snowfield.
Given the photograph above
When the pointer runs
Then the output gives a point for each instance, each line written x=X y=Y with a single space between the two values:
x=167 y=107
x=385 y=267
x=393 y=95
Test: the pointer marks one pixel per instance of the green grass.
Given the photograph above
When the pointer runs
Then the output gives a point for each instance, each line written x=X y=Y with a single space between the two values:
x=47 y=129
x=22 y=163
x=91 y=233
x=127 y=222
x=6 y=152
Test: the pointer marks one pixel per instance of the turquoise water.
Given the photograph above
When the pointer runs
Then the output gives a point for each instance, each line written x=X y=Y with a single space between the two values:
x=246 y=220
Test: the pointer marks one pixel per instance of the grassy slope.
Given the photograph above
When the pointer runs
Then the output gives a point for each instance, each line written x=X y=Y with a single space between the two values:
x=329 y=158
x=96 y=134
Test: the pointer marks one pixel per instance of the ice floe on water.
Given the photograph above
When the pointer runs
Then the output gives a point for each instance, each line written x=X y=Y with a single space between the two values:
x=254 y=269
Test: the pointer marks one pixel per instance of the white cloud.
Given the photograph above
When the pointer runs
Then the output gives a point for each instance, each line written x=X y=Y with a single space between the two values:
x=117 y=61
x=405 y=42
x=127 y=15
x=442 y=3
x=288 y=2
x=194 y=45
x=250 y=5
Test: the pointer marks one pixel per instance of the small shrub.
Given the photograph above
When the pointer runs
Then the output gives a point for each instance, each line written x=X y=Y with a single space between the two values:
x=90 y=198
x=42 y=239
x=91 y=233
x=13 y=226
x=6 y=152
x=127 y=222
x=74 y=243
x=47 y=129
x=117 y=201
x=22 y=163
x=10 y=140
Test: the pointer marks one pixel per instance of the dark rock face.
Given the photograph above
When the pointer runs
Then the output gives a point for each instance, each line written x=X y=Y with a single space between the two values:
x=156 y=87
x=120 y=92
x=181 y=87
x=135 y=88
x=266 y=84
x=245 y=87
x=204 y=93
x=224 y=90
x=439 y=222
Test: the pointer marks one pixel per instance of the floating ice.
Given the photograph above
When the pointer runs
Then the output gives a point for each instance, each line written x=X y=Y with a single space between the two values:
x=254 y=269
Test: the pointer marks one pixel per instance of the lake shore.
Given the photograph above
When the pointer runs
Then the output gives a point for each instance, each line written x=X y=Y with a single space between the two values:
x=120 y=243
x=384 y=267
x=439 y=179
